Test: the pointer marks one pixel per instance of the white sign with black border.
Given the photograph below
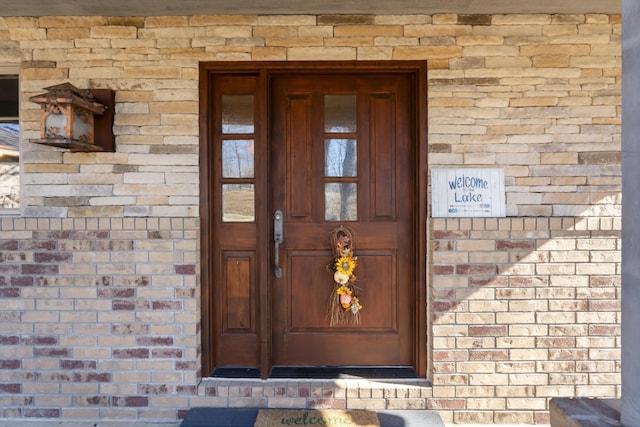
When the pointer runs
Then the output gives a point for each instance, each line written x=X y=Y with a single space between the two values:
x=467 y=192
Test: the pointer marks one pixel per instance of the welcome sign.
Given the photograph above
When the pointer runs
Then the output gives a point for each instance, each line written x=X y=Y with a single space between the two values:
x=467 y=192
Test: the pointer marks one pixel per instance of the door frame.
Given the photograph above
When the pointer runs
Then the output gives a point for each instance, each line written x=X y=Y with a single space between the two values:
x=418 y=71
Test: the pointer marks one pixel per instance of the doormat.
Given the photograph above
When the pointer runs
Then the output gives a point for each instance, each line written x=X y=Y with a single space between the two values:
x=316 y=417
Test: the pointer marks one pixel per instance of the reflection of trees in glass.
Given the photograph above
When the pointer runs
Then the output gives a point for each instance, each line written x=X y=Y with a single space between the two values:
x=341 y=161
x=237 y=158
x=340 y=157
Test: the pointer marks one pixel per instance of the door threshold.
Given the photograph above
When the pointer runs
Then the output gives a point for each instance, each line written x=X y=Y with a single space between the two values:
x=320 y=372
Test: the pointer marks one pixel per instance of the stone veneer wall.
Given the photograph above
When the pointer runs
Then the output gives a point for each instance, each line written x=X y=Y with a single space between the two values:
x=99 y=277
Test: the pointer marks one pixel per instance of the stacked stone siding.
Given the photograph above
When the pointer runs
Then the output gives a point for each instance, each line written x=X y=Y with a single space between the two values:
x=99 y=273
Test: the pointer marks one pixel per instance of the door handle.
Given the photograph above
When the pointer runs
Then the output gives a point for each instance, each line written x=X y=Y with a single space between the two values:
x=277 y=238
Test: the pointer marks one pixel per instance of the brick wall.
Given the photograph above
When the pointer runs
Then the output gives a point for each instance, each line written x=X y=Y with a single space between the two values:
x=100 y=274
x=523 y=309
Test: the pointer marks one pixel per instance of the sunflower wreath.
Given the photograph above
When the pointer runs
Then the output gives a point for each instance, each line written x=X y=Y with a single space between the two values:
x=344 y=304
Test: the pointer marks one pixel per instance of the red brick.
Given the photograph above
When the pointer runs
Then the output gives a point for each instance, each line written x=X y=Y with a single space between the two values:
x=130 y=401
x=40 y=340
x=488 y=331
x=507 y=245
x=77 y=364
x=51 y=352
x=441 y=234
x=41 y=413
x=116 y=293
x=10 y=388
x=185 y=269
x=444 y=306
x=39 y=269
x=52 y=257
x=151 y=341
x=8 y=245
x=10 y=364
x=166 y=353
x=131 y=353
x=442 y=270
x=92 y=377
x=470 y=269
x=166 y=305
x=130 y=305
x=22 y=281
x=9 y=292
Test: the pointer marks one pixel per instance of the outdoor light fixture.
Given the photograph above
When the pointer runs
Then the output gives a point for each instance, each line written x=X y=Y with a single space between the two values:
x=71 y=118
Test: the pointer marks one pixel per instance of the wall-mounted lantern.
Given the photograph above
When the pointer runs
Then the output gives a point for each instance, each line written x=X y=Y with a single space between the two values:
x=76 y=119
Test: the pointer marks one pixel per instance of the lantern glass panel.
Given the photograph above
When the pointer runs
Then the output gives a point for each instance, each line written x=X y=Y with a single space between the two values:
x=55 y=125
x=81 y=128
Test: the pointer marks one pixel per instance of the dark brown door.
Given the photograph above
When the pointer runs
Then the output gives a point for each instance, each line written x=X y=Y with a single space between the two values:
x=343 y=153
x=328 y=144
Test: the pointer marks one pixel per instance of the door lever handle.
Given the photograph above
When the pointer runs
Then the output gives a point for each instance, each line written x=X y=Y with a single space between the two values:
x=277 y=238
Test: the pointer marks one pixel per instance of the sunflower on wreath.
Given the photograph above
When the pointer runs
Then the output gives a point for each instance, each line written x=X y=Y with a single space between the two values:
x=344 y=304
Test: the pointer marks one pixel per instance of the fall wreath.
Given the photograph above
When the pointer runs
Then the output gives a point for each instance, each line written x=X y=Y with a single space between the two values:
x=344 y=304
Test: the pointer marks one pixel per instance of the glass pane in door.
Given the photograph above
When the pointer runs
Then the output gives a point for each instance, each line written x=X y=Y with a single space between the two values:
x=237 y=158
x=340 y=113
x=238 y=203
x=340 y=158
x=237 y=114
x=341 y=201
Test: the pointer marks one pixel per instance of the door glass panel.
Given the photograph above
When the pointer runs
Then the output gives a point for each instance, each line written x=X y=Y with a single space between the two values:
x=237 y=158
x=340 y=113
x=340 y=157
x=237 y=114
x=340 y=201
x=238 y=201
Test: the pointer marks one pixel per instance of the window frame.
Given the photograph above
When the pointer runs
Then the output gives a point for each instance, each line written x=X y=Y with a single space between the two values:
x=14 y=70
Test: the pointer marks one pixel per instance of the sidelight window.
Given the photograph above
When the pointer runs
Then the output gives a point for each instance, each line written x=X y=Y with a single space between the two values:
x=237 y=157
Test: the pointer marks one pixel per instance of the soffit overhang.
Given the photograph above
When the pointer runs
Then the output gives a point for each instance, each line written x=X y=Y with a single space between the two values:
x=315 y=7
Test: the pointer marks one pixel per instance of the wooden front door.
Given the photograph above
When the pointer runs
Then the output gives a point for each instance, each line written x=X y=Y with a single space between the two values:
x=337 y=144
x=341 y=150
